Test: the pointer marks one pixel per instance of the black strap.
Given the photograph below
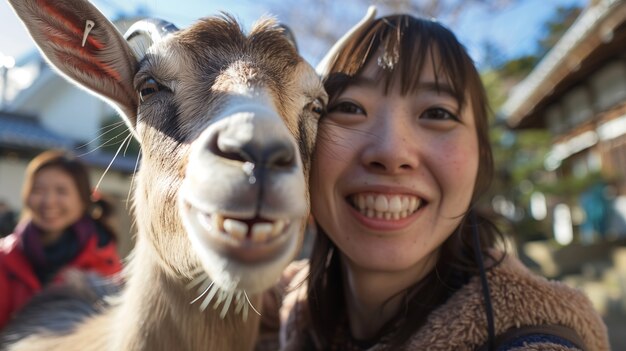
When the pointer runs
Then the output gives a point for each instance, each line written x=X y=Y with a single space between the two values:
x=484 y=283
x=559 y=331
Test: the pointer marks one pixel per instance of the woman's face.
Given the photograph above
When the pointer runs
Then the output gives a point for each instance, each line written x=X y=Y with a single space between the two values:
x=54 y=202
x=393 y=175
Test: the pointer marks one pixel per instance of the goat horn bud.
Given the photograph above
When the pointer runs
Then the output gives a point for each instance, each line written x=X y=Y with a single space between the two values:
x=324 y=66
x=155 y=29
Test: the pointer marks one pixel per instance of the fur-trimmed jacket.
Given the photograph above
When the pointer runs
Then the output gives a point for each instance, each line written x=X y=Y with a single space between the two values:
x=91 y=249
x=519 y=298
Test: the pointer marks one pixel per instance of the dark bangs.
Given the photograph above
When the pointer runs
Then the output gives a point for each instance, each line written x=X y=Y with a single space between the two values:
x=398 y=45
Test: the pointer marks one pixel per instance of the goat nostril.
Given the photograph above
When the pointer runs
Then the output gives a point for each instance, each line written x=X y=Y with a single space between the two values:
x=229 y=149
x=274 y=155
x=282 y=156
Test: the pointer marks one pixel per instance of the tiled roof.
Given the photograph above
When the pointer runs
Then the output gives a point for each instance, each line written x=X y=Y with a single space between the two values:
x=25 y=132
x=525 y=95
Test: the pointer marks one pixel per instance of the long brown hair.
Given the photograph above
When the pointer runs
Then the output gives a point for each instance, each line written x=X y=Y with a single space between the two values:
x=96 y=206
x=402 y=44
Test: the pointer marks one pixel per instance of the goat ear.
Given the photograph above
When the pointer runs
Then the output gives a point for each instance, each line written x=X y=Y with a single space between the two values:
x=85 y=47
x=289 y=35
x=324 y=66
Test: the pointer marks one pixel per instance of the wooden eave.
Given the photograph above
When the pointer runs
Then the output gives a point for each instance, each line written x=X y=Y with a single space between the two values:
x=605 y=40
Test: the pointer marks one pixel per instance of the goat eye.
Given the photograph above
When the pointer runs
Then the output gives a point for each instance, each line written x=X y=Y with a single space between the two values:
x=149 y=87
x=317 y=107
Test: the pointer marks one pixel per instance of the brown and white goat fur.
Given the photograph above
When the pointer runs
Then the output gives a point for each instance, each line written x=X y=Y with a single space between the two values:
x=226 y=123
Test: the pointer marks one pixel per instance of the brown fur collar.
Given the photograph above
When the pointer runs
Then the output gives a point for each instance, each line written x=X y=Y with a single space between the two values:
x=519 y=298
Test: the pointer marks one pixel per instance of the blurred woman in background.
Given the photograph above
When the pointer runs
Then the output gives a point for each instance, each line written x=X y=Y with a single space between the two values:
x=63 y=227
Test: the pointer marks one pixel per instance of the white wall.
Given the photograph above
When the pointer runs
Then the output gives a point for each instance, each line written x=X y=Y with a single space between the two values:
x=74 y=113
x=65 y=108
x=11 y=178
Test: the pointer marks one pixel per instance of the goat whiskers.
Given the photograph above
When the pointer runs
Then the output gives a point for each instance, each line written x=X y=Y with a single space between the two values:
x=203 y=292
x=207 y=289
x=251 y=306
x=229 y=299
x=132 y=179
x=209 y=297
x=104 y=131
x=202 y=276
x=127 y=139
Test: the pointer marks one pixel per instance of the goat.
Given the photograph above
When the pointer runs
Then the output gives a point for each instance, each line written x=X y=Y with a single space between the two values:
x=226 y=123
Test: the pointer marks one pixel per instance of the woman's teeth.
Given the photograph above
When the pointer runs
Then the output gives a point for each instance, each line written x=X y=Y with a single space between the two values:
x=386 y=206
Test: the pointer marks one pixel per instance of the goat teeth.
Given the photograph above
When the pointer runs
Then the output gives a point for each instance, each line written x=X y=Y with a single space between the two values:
x=218 y=222
x=204 y=221
x=279 y=226
x=261 y=231
x=235 y=228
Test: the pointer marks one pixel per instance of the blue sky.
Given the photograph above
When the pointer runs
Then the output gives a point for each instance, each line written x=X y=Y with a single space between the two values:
x=514 y=29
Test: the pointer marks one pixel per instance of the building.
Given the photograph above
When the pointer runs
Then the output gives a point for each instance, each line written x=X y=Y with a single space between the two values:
x=578 y=93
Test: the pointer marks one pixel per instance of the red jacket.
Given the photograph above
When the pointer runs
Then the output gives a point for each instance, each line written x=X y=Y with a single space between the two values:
x=18 y=282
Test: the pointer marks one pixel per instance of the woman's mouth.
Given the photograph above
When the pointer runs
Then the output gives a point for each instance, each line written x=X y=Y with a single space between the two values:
x=385 y=206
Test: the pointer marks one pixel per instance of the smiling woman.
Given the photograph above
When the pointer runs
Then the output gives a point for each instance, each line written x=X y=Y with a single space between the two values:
x=407 y=177
x=56 y=234
x=402 y=259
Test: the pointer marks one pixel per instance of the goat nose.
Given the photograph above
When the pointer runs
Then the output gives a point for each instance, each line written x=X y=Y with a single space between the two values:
x=274 y=155
x=262 y=150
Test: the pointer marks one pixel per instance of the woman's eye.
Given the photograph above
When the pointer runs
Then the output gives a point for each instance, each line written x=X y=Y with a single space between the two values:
x=439 y=113
x=149 y=87
x=347 y=107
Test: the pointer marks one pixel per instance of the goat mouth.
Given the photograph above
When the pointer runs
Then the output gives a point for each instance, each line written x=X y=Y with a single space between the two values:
x=237 y=247
x=240 y=231
x=245 y=239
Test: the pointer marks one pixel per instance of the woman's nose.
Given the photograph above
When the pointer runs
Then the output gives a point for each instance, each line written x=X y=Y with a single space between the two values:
x=47 y=198
x=393 y=146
